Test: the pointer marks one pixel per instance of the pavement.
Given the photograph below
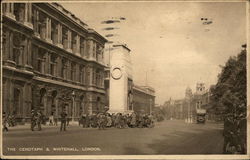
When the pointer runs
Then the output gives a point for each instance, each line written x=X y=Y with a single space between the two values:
x=166 y=138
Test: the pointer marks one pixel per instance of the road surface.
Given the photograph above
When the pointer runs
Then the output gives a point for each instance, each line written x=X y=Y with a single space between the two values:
x=166 y=138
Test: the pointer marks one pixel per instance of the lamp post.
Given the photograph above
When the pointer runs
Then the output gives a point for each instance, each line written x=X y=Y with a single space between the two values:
x=73 y=106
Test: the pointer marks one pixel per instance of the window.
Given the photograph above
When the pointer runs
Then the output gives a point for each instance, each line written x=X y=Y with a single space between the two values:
x=34 y=19
x=99 y=53
x=54 y=31
x=64 y=37
x=42 y=25
x=98 y=78
x=64 y=68
x=19 y=9
x=17 y=47
x=82 y=46
x=82 y=74
x=41 y=60
x=5 y=7
x=73 y=71
x=53 y=65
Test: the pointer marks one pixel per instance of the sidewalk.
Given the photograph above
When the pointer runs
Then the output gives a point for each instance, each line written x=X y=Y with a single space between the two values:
x=28 y=125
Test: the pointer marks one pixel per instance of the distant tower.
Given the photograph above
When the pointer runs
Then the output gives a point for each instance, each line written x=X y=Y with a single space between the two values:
x=188 y=93
x=200 y=88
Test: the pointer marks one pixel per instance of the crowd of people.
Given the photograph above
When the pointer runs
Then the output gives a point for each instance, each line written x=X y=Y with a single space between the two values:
x=101 y=120
x=117 y=120
x=9 y=120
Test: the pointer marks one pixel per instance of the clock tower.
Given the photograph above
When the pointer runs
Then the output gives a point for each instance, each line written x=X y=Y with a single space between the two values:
x=121 y=79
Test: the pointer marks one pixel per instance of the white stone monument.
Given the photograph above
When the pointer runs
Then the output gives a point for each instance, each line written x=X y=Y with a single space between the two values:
x=120 y=79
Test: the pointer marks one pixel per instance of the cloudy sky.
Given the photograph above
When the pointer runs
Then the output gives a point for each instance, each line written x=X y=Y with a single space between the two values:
x=169 y=41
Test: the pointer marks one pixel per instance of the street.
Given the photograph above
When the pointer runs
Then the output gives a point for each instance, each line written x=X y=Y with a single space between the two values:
x=167 y=137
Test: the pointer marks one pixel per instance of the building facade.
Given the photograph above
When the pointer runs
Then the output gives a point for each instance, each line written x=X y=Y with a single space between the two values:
x=51 y=60
x=186 y=108
x=143 y=99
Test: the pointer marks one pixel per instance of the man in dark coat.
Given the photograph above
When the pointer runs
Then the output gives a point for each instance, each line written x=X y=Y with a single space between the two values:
x=63 y=120
x=5 y=128
x=39 y=120
x=33 y=120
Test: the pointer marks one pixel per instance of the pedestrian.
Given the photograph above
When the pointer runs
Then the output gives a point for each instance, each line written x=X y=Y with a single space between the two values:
x=94 y=121
x=113 y=117
x=83 y=121
x=33 y=120
x=133 y=120
x=39 y=120
x=11 y=119
x=5 y=128
x=68 y=119
x=63 y=120
x=51 y=119
x=87 y=120
x=101 y=121
x=140 y=120
x=55 y=120
x=109 y=120
x=117 y=120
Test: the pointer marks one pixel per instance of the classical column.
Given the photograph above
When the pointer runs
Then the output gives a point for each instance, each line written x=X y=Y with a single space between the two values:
x=93 y=55
x=59 y=35
x=59 y=66
x=90 y=76
x=68 y=71
x=69 y=47
x=77 y=73
x=89 y=103
x=47 y=66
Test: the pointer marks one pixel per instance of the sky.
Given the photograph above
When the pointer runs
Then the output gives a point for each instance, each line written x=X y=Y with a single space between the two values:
x=170 y=47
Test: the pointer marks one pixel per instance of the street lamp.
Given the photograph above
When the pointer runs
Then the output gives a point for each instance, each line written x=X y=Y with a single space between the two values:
x=73 y=105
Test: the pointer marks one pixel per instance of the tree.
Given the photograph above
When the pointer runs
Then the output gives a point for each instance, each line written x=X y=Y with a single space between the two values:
x=230 y=91
x=229 y=96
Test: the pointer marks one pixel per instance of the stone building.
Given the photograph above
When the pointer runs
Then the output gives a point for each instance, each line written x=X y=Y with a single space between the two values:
x=143 y=99
x=186 y=108
x=50 y=58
